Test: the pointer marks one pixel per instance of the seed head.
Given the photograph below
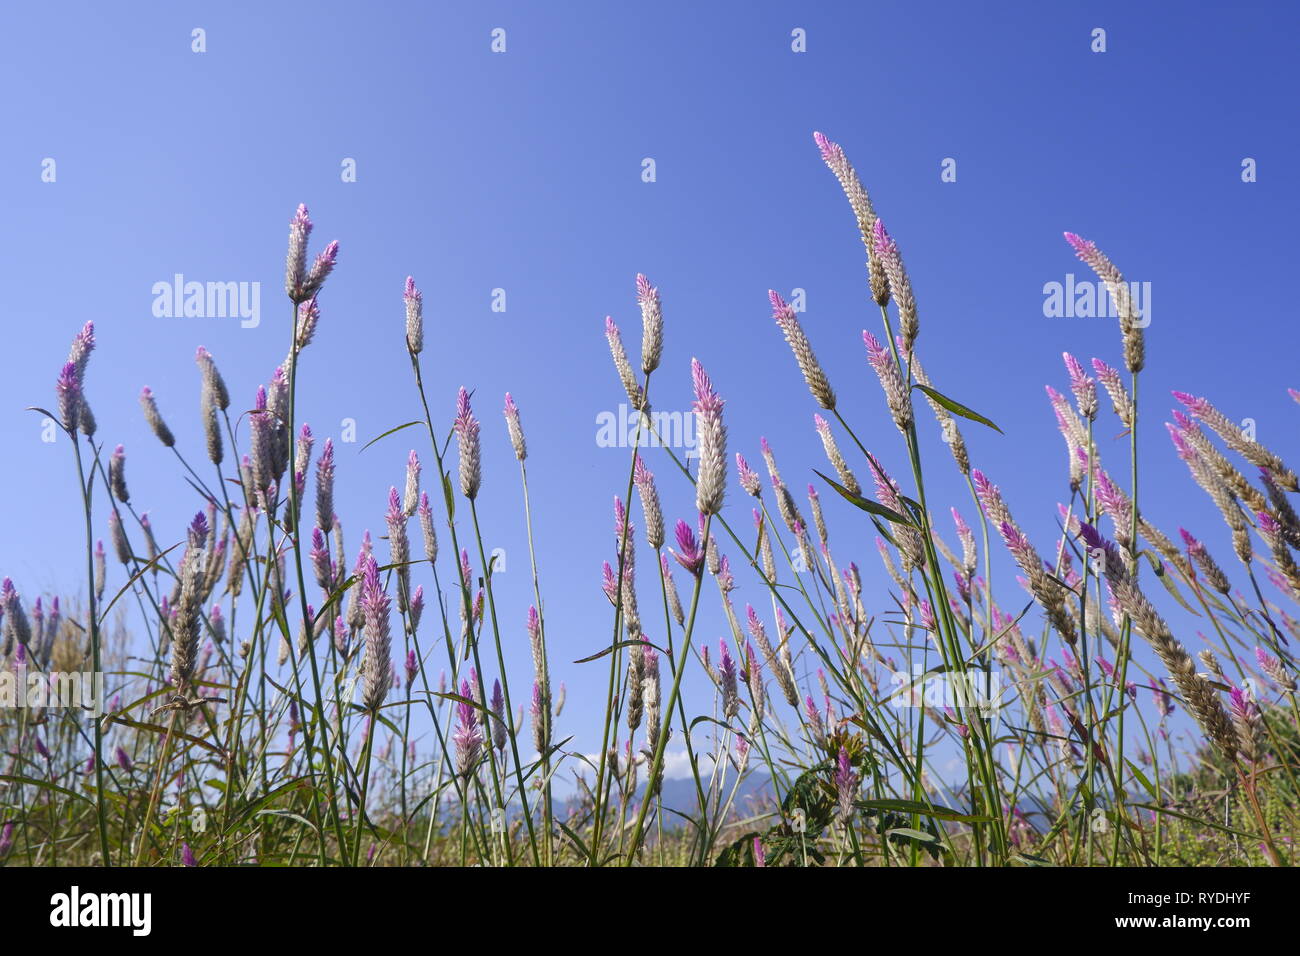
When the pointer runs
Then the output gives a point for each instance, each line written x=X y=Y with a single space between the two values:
x=295 y=270
x=515 y=428
x=652 y=324
x=467 y=736
x=308 y=319
x=688 y=554
x=68 y=388
x=414 y=317
x=1130 y=327
x=649 y=495
x=900 y=287
x=710 y=485
x=325 y=486
x=749 y=479
x=411 y=495
x=847 y=478
x=426 y=527
x=466 y=426
x=891 y=381
x=635 y=394
x=813 y=376
x=375 y=606
x=152 y=416
x=1083 y=387
x=1119 y=397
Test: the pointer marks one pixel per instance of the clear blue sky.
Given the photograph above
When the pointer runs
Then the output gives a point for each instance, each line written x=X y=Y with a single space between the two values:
x=522 y=171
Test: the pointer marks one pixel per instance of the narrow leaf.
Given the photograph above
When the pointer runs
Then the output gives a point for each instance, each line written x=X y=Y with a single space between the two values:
x=957 y=408
x=868 y=506
x=386 y=434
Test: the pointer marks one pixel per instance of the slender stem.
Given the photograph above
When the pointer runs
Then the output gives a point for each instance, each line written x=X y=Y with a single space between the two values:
x=679 y=668
x=295 y=509
x=96 y=651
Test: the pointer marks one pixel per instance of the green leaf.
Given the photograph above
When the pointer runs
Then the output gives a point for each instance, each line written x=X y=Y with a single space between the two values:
x=103 y=615
x=449 y=496
x=712 y=720
x=52 y=417
x=613 y=647
x=1191 y=819
x=868 y=506
x=883 y=531
x=957 y=408
x=577 y=840
x=386 y=434
x=290 y=816
x=925 y=810
x=1142 y=779
x=740 y=852
x=466 y=700
x=45 y=784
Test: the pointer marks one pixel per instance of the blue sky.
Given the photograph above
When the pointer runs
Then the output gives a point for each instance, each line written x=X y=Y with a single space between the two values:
x=522 y=171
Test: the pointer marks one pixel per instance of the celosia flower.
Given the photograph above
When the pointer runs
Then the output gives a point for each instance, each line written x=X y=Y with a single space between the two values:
x=68 y=389
x=466 y=426
x=414 y=317
x=325 y=486
x=375 y=606
x=858 y=199
x=635 y=394
x=885 y=250
x=411 y=493
x=540 y=718
x=813 y=376
x=217 y=621
x=688 y=554
x=846 y=785
x=652 y=324
x=320 y=561
x=649 y=495
x=1083 y=387
x=749 y=479
x=710 y=485
x=727 y=678
x=1275 y=670
x=498 y=706
x=1119 y=397
x=295 y=273
x=117 y=475
x=308 y=319
x=515 y=428
x=1129 y=318
x=117 y=534
x=891 y=381
x=846 y=476
x=300 y=283
x=1248 y=723
x=467 y=737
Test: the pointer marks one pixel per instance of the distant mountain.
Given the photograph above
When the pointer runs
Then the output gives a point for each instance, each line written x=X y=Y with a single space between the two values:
x=679 y=794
